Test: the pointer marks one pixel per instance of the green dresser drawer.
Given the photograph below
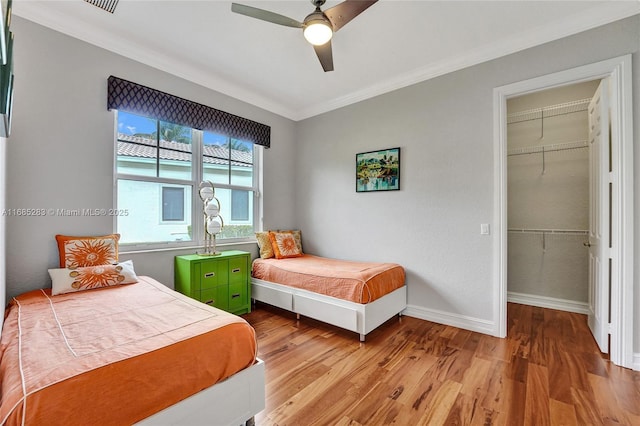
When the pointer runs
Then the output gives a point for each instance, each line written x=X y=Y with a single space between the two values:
x=238 y=270
x=221 y=281
x=213 y=273
x=217 y=297
x=237 y=297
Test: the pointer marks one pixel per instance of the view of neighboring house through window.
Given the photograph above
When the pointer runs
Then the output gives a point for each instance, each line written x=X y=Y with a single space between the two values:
x=159 y=166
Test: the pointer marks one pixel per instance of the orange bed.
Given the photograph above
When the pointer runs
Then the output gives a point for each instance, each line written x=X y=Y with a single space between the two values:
x=359 y=282
x=113 y=355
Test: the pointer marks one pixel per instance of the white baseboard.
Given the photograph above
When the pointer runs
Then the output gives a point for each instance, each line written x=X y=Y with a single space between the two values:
x=448 y=318
x=548 y=302
x=636 y=362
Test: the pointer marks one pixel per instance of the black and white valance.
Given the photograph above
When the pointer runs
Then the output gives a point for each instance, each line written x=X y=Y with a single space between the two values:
x=132 y=97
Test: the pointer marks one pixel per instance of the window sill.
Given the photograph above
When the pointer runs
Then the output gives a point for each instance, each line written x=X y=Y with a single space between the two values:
x=123 y=249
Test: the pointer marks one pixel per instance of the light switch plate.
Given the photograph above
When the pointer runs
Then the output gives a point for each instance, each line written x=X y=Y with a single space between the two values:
x=484 y=229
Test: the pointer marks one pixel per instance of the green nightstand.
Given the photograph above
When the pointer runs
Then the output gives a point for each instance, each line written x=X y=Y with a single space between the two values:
x=221 y=281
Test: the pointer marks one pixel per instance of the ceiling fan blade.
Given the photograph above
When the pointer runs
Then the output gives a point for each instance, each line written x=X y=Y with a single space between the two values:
x=325 y=56
x=341 y=14
x=265 y=15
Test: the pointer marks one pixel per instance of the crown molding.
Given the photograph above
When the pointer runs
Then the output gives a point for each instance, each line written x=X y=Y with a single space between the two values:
x=154 y=58
x=586 y=20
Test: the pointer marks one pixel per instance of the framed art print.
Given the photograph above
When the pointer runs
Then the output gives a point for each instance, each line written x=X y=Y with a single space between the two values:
x=378 y=170
x=5 y=18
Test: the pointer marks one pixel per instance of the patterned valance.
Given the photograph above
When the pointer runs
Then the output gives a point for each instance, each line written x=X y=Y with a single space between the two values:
x=131 y=97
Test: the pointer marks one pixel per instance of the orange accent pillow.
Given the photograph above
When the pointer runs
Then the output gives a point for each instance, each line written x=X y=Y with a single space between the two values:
x=68 y=280
x=264 y=244
x=77 y=252
x=297 y=235
x=284 y=245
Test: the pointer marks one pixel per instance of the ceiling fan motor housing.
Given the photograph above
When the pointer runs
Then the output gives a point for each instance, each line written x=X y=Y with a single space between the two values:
x=317 y=17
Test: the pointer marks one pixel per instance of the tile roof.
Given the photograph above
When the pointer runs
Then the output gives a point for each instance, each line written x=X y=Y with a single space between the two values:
x=136 y=146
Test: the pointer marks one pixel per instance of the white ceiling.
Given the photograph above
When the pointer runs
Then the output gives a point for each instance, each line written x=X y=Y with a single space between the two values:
x=392 y=44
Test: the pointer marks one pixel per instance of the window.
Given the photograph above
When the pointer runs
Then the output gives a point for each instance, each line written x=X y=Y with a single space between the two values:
x=172 y=204
x=239 y=205
x=229 y=164
x=159 y=166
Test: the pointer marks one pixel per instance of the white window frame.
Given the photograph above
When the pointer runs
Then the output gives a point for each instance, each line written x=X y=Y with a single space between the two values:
x=197 y=222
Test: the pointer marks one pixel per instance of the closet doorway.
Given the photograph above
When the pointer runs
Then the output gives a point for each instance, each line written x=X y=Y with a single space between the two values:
x=611 y=261
x=552 y=197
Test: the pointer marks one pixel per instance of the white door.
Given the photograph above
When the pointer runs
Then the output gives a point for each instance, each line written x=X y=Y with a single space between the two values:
x=599 y=216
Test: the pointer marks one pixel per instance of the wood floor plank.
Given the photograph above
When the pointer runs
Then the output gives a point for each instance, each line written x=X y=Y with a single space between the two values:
x=474 y=381
x=346 y=421
x=548 y=371
x=626 y=385
x=406 y=377
x=437 y=411
x=562 y=414
x=607 y=402
x=560 y=383
x=586 y=408
x=537 y=403
x=467 y=410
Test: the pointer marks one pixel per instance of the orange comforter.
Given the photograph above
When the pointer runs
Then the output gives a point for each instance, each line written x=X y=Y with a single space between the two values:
x=114 y=355
x=360 y=282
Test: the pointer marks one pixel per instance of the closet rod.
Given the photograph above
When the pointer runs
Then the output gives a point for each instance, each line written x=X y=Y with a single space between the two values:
x=549 y=148
x=549 y=111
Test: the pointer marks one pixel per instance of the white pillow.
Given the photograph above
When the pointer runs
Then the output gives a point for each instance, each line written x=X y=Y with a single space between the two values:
x=67 y=280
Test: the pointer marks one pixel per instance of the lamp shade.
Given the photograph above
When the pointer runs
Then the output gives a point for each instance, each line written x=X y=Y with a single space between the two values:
x=206 y=193
x=214 y=226
x=211 y=208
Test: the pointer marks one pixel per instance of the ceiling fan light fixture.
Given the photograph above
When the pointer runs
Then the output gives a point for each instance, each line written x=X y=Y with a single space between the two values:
x=317 y=32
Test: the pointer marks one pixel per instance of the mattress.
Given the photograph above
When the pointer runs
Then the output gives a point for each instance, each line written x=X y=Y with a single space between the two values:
x=359 y=282
x=114 y=355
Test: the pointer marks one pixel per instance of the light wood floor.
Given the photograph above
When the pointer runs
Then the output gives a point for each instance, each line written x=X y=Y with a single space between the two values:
x=548 y=371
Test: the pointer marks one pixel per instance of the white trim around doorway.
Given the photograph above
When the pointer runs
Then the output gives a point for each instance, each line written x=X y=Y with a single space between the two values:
x=619 y=71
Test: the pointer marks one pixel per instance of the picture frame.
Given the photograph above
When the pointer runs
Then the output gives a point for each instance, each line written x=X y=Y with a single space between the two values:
x=378 y=170
x=6 y=91
x=5 y=17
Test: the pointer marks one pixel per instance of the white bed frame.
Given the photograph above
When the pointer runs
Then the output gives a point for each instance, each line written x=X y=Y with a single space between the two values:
x=358 y=317
x=234 y=401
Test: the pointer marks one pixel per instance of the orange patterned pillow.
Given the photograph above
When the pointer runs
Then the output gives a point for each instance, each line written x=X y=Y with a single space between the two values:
x=68 y=280
x=284 y=245
x=297 y=235
x=264 y=244
x=76 y=252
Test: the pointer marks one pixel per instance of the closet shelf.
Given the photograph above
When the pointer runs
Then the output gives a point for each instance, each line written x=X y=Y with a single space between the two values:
x=549 y=111
x=550 y=231
x=549 y=148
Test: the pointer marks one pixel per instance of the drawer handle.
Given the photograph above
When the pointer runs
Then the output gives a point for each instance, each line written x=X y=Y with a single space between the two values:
x=235 y=270
x=210 y=274
x=233 y=296
x=210 y=302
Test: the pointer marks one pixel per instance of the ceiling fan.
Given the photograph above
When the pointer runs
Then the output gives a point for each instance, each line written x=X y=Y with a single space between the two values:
x=318 y=27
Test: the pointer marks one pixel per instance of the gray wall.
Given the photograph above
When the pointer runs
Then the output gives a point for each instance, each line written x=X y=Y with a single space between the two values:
x=60 y=154
x=445 y=129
